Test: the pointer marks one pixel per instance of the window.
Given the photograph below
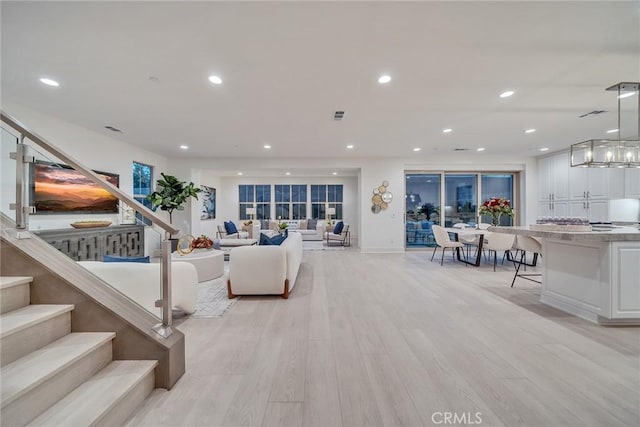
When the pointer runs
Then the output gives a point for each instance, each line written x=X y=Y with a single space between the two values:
x=291 y=201
x=142 y=182
x=258 y=196
x=323 y=196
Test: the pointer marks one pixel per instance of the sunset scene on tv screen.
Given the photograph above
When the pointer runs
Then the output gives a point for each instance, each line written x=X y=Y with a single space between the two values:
x=61 y=190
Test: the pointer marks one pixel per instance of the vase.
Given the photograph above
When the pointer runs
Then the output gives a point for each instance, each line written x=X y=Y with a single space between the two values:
x=495 y=219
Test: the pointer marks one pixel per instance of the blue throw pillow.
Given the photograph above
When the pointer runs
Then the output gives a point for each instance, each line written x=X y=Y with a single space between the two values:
x=338 y=228
x=115 y=258
x=227 y=227
x=426 y=225
x=272 y=241
x=232 y=228
x=264 y=240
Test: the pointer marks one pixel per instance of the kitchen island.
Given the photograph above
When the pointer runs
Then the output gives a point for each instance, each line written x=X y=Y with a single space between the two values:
x=594 y=275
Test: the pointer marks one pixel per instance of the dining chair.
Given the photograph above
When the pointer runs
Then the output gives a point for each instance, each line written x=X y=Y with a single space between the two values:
x=443 y=241
x=498 y=242
x=467 y=240
x=526 y=244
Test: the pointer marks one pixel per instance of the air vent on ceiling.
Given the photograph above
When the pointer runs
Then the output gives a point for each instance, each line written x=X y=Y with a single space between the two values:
x=338 y=115
x=460 y=149
x=112 y=129
x=593 y=113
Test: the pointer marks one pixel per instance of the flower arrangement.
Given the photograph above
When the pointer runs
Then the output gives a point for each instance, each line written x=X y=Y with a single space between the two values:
x=248 y=223
x=202 y=242
x=496 y=207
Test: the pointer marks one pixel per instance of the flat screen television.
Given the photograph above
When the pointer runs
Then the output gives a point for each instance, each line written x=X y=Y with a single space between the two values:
x=59 y=189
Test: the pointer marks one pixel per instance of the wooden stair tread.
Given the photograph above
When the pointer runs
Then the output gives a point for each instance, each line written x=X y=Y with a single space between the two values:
x=10 y=281
x=95 y=397
x=22 y=318
x=26 y=373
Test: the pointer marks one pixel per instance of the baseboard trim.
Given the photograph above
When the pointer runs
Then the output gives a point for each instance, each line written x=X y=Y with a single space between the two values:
x=366 y=250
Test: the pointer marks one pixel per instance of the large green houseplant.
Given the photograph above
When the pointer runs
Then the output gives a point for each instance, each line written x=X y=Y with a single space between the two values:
x=171 y=194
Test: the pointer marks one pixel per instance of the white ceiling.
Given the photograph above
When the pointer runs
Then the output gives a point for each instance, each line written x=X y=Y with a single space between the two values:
x=287 y=66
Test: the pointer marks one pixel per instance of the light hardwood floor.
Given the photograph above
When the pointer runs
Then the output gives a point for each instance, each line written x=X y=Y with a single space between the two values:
x=395 y=340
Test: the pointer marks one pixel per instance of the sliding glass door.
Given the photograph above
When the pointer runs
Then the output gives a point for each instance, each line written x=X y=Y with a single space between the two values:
x=462 y=193
x=497 y=185
x=461 y=198
x=422 y=208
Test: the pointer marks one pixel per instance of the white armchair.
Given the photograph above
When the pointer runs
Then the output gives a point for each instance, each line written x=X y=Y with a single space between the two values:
x=343 y=238
x=222 y=234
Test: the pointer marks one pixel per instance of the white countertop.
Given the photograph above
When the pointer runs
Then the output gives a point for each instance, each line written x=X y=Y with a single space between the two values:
x=617 y=234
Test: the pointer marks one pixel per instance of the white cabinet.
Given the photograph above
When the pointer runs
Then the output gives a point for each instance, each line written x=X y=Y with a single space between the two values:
x=578 y=208
x=553 y=185
x=632 y=183
x=598 y=210
x=595 y=183
x=582 y=192
x=560 y=185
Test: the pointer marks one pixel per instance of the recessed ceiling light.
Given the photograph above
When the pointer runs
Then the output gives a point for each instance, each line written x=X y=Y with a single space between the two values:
x=417 y=149
x=184 y=147
x=49 y=82
x=267 y=147
x=612 y=131
x=447 y=130
x=506 y=94
x=287 y=173
x=215 y=80
x=480 y=149
x=385 y=78
x=335 y=173
x=626 y=95
x=544 y=149
x=529 y=131
x=350 y=147
x=239 y=173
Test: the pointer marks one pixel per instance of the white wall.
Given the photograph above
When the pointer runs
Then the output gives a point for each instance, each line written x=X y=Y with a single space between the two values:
x=92 y=149
x=199 y=226
x=383 y=232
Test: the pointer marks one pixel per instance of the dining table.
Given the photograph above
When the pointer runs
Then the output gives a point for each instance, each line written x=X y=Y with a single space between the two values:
x=470 y=232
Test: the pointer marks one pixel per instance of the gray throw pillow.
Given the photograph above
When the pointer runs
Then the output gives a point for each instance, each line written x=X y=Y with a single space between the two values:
x=312 y=224
x=264 y=224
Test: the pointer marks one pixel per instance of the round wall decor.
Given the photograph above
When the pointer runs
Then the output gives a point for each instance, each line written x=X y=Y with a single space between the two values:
x=381 y=197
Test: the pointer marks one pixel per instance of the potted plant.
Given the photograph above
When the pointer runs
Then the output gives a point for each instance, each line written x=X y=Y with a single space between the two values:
x=172 y=194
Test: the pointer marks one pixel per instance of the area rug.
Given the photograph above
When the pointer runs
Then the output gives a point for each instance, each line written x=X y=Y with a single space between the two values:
x=315 y=245
x=212 y=300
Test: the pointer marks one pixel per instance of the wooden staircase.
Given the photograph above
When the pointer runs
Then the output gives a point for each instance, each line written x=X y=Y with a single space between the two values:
x=52 y=376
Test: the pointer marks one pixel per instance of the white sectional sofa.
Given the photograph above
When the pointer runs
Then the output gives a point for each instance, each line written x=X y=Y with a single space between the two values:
x=142 y=282
x=265 y=270
x=301 y=227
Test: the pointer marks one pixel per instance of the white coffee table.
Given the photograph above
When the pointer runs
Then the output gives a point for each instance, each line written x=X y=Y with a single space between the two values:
x=209 y=263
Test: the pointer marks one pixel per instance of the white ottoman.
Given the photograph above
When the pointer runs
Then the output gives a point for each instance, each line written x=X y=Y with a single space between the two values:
x=209 y=263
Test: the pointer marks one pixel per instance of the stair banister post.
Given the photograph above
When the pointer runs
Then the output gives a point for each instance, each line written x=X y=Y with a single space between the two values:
x=21 y=205
x=166 y=281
